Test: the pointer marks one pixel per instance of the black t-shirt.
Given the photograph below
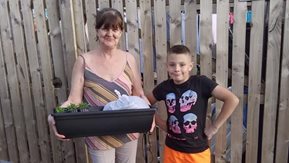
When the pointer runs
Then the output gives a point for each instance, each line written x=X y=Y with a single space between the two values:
x=186 y=105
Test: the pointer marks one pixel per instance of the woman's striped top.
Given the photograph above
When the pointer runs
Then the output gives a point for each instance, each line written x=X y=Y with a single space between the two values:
x=98 y=92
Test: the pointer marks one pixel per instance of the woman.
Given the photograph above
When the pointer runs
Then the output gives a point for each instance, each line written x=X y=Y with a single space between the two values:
x=95 y=76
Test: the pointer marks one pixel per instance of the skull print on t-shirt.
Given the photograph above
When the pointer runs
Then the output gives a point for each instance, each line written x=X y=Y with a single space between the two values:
x=184 y=103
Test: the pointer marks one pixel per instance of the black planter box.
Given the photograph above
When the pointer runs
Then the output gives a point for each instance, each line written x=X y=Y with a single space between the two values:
x=100 y=123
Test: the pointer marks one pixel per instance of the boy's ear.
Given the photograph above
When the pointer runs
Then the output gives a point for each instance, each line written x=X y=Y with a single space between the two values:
x=191 y=66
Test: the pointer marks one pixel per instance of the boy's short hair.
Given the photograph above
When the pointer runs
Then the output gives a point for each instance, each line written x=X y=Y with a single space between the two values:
x=179 y=49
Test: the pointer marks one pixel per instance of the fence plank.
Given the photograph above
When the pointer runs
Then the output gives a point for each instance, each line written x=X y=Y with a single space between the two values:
x=79 y=27
x=272 y=80
x=7 y=152
x=90 y=11
x=222 y=69
x=141 y=149
x=255 y=71
x=238 y=68
x=80 y=151
x=147 y=45
x=148 y=72
x=103 y=4
x=46 y=70
x=190 y=8
x=160 y=17
x=282 y=143
x=34 y=69
x=118 y=4
x=3 y=140
x=56 y=49
x=69 y=41
x=9 y=59
x=23 y=76
x=206 y=39
x=133 y=41
x=80 y=37
x=174 y=15
x=132 y=29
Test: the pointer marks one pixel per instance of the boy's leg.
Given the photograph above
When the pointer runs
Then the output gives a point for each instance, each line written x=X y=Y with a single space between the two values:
x=127 y=152
x=102 y=156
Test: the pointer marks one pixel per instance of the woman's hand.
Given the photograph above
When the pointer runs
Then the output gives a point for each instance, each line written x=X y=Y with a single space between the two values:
x=51 y=122
x=211 y=131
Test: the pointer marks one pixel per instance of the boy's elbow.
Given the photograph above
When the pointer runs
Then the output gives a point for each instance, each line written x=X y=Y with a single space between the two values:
x=236 y=100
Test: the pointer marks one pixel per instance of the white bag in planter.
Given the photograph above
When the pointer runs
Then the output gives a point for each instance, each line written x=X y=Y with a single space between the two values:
x=126 y=102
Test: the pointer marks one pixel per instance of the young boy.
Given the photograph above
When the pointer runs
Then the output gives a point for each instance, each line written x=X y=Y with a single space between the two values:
x=186 y=98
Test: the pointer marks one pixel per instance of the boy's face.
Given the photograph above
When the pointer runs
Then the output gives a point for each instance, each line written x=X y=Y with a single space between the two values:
x=179 y=67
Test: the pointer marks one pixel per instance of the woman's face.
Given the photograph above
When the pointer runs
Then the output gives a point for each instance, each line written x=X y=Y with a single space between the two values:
x=109 y=37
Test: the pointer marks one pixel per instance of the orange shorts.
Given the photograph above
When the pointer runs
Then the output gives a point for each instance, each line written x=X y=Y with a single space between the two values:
x=172 y=156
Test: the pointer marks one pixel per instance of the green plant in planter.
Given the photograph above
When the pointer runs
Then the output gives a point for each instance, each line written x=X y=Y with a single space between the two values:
x=83 y=105
x=72 y=108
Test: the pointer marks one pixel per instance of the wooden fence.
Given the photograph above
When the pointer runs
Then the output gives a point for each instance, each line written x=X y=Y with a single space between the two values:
x=40 y=39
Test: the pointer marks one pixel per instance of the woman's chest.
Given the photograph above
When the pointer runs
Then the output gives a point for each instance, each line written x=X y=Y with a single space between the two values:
x=108 y=70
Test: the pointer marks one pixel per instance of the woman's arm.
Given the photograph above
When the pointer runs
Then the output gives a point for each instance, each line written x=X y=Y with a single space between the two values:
x=137 y=89
x=76 y=92
x=77 y=82
x=230 y=103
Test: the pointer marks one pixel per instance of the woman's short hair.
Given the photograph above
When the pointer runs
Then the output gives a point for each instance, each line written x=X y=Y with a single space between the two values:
x=109 y=18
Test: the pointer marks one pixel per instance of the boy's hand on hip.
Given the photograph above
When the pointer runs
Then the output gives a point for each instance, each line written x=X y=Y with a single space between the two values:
x=211 y=131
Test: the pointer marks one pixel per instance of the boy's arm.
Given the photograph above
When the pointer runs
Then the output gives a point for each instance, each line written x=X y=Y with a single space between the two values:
x=230 y=103
x=159 y=121
x=151 y=98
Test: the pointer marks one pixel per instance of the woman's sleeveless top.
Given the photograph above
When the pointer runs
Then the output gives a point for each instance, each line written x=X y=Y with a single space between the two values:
x=97 y=92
